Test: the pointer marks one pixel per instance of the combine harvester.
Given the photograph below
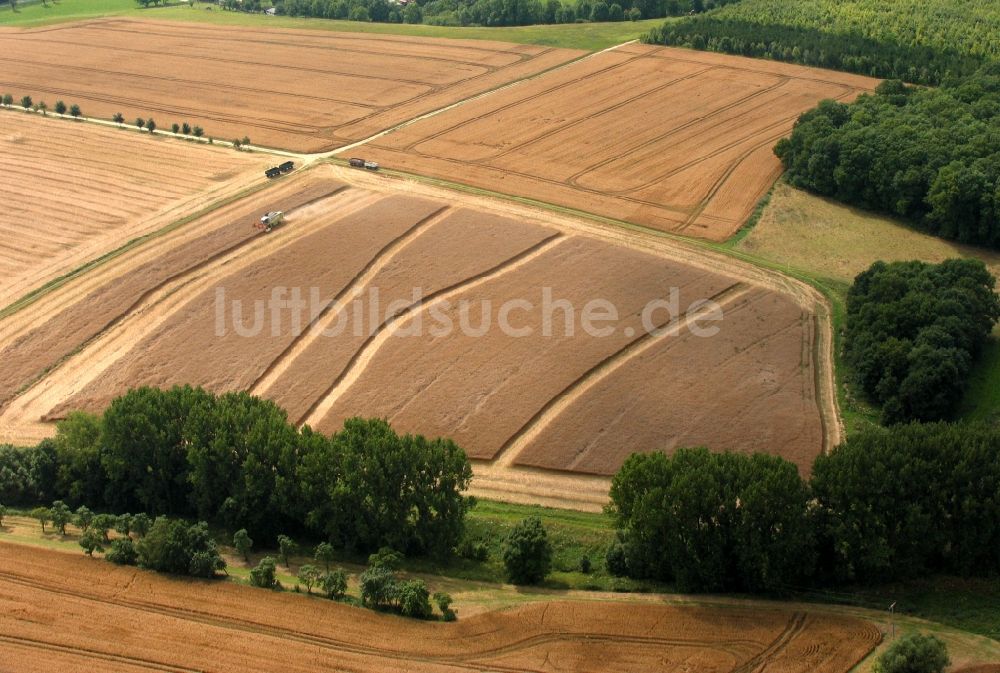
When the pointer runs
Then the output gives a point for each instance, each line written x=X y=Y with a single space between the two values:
x=270 y=221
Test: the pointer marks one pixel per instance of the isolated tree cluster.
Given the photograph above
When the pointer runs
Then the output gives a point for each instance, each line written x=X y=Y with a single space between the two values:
x=914 y=332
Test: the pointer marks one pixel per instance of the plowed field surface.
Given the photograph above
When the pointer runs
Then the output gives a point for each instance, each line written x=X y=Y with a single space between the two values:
x=73 y=192
x=673 y=139
x=301 y=90
x=69 y=613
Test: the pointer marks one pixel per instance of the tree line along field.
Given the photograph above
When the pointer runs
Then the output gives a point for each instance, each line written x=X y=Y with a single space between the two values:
x=671 y=139
x=570 y=402
x=306 y=91
x=104 y=616
x=72 y=194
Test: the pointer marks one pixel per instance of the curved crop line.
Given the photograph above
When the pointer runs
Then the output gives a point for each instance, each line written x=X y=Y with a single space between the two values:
x=555 y=406
x=382 y=257
x=795 y=626
x=720 y=182
x=378 y=336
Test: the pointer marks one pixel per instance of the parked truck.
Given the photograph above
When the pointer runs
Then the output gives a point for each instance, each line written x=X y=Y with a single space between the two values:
x=356 y=162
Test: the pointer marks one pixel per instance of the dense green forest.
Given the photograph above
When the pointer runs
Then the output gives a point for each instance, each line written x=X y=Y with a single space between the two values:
x=930 y=156
x=888 y=504
x=924 y=41
x=914 y=332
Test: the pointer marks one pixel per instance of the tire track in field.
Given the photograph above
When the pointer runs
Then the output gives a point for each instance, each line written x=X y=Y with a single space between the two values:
x=319 y=130
x=312 y=331
x=721 y=181
x=159 y=181
x=358 y=362
x=796 y=625
x=88 y=366
x=234 y=61
x=528 y=99
x=573 y=179
x=473 y=660
x=517 y=442
x=34 y=645
x=218 y=36
x=721 y=149
x=180 y=81
x=564 y=127
x=278 y=125
x=659 y=54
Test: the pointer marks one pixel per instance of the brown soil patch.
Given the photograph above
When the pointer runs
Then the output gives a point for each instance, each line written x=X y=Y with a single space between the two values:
x=668 y=138
x=70 y=613
x=73 y=192
x=302 y=90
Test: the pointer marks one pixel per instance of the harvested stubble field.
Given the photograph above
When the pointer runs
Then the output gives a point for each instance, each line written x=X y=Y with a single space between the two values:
x=406 y=325
x=676 y=140
x=97 y=616
x=301 y=90
x=73 y=191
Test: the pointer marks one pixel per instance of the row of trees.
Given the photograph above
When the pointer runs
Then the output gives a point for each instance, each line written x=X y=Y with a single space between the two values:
x=151 y=126
x=914 y=332
x=236 y=459
x=923 y=41
x=931 y=156
x=41 y=106
x=484 y=12
x=886 y=505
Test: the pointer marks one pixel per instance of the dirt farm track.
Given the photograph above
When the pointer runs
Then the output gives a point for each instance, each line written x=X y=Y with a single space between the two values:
x=128 y=620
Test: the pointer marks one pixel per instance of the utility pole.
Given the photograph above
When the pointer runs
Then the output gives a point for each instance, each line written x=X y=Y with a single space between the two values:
x=892 y=618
